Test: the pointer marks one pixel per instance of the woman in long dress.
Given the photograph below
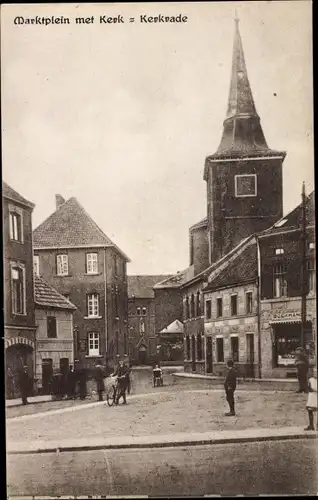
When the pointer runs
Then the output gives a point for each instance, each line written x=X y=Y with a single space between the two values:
x=312 y=400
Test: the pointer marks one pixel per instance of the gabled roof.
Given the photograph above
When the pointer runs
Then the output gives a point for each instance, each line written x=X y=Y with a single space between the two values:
x=47 y=296
x=293 y=220
x=174 y=327
x=177 y=279
x=70 y=226
x=9 y=193
x=142 y=286
x=243 y=268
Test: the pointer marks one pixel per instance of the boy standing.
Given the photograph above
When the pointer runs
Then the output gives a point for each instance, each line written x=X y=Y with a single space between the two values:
x=230 y=386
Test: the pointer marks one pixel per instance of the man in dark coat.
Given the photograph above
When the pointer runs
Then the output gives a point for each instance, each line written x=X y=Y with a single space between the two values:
x=99 y=378
x=230 y=386
x=302 y=364
x=24 y=383
x=70 y=383
x=122 y=373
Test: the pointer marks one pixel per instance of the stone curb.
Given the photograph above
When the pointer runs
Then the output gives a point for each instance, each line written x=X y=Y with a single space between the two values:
x=163 y=442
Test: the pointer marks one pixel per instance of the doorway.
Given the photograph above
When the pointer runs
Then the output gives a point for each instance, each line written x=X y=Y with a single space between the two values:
x=47 y=373
x=250 y=370
x=193 y=352
x=64 y=366
x=142 y=355
x=209 y=360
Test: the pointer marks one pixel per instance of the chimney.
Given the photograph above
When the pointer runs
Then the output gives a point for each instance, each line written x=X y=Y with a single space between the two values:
x=59 y=201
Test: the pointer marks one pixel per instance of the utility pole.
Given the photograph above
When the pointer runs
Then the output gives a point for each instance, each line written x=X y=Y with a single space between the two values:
x=303 y=267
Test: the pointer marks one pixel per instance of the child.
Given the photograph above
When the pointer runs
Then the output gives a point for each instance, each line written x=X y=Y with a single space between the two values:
x=230 y=386
x=312 y=400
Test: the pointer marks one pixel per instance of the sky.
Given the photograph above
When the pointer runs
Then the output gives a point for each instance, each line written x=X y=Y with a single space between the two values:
x=122 y=116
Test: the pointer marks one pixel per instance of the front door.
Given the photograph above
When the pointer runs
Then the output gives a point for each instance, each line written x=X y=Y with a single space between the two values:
x=193 y=353
x=209 y=362
x=47 y=372
x=142 y=355
x=250 y=372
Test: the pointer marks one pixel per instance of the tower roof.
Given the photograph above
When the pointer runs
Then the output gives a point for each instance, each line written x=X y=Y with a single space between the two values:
x=242 y=130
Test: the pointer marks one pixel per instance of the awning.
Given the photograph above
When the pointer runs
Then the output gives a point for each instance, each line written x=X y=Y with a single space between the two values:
x=285 y=321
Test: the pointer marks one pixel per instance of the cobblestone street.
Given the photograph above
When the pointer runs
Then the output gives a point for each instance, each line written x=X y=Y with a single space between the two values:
x=173 y=408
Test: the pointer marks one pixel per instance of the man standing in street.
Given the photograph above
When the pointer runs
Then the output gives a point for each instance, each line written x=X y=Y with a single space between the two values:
x=230 y=386
x=24 y=383
x=123 y=376
x=302 y=364
x=99 y=378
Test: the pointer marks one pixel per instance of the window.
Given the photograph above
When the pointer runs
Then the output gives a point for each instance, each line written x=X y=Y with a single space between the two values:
x=144 y=311
x=198 y=304
x=62 y=264
x=138 y=311
x=311 y=246
x=249 y=302
x=245 y=185
x=279 y=251
x=141 y=326
x=311 y=275
x=92 y=305
x=18 y=289
x=91 y=263
x=208 y=309
x=36 y=265
x=192 y=312
x=187 y=309
x=93 y=344
x=235 y=349
x=233 y=305
x=199 y=347
x=220 y=350
x=116 y=304
x=219 y=307
x=280 y=283
x=188 y=346
x=51 y=327
x=15 y=222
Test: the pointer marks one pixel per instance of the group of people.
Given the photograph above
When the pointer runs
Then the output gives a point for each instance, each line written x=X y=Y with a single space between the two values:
x=306 y=384
x=123 y=374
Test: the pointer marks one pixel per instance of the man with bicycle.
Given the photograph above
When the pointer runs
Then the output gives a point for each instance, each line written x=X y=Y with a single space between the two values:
x=122 y=374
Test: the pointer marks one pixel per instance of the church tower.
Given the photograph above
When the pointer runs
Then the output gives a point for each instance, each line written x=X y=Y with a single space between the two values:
x=244 y=176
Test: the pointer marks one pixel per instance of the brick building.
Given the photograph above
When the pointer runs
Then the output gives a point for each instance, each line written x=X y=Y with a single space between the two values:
x=76 y=257
x=54 y=335
x=19 y=309
x=282 y=276
x=141 y=318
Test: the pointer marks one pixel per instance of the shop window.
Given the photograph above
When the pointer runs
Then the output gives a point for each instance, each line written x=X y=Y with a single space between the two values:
x=280 y=282
x=233 y=305
x=208 y=309
x=219 y=307
x=249 y=302
x=199 y=347
x=235 y=349
x=220 y=350
x=287 y=340
x=51 y=327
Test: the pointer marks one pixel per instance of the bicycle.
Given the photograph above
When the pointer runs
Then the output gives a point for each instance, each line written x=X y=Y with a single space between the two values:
x=111 y=394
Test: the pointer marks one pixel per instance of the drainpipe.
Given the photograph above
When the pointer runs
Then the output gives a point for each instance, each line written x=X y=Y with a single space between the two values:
x=259 y=308
x=105 y=305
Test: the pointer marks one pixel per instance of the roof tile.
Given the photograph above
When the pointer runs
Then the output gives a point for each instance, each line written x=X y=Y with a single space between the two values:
x=47 y=296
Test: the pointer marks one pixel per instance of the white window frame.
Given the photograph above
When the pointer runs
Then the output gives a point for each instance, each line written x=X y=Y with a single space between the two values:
x=92 y=263
x=245 y=195
x=279 y=251
x=36 y=265
x=280 y=284
x=312 y=245
x=93 y=303
x=13 y=210
x=93 y=341
x=22 y=267
x=62 y=264
x=144 y=311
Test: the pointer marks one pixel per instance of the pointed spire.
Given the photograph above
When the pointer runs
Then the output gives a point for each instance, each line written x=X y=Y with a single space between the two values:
x=242 y=132
x=240 y=98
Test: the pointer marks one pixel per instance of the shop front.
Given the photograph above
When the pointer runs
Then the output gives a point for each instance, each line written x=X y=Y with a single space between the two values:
x=280 y=337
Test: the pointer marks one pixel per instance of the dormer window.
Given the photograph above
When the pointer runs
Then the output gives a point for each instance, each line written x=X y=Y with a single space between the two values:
x=279 y=251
